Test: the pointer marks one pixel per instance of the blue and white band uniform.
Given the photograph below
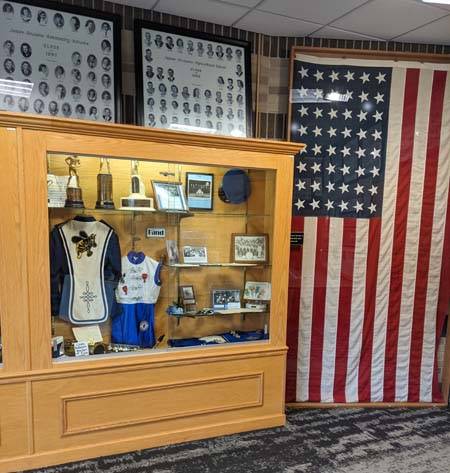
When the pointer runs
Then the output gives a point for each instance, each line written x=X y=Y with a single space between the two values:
x=137 y=293
x=85 y=267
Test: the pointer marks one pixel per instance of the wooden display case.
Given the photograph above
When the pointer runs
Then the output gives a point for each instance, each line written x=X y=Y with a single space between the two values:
x=54 y=411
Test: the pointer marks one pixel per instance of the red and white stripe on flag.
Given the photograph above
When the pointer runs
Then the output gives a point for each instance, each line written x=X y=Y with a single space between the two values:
x=368 y=296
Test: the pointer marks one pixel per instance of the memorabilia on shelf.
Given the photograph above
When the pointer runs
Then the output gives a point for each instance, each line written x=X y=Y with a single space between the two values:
x=137 y=293
x=71 y=55
x=257 y=291
x=104 y=186
x=56 y=190
x=73 y=192
x=169 y=196
x=226 y=298
x=175 y=309
x=192 y=81
x=235 y=188
x=195 y=254
x=199 y=191
x=250 y=248
x=187 y=295
x=84 y=270
x=57 y=346
x=172 y=252
x=137 y=200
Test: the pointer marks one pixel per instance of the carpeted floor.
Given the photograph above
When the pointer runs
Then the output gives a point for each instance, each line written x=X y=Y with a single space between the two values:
x=313 y=441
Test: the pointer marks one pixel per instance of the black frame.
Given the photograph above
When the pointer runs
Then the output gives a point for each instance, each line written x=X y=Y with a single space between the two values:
x=212 y=190
x=97 y=14
x=139 y=25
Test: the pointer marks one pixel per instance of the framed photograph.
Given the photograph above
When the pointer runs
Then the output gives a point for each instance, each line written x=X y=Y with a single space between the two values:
x=195 y=254
x=187 y=295
x=226 y=298
x=172 y=252
x=250 y=248
x=169 y=196
x=257 y=291
x=199 y=191
x=192 y=81
x=59 y=60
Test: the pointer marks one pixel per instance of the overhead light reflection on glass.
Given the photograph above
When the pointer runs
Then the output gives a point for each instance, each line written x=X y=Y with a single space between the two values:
x=16 y=88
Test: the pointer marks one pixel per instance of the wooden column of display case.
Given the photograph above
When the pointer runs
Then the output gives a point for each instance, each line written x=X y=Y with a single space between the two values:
x=55 y=412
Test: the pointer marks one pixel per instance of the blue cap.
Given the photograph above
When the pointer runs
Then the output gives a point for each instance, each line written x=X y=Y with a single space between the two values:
x=235 y=186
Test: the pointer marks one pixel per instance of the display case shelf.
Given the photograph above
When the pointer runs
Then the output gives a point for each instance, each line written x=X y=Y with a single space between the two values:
x=88 y=210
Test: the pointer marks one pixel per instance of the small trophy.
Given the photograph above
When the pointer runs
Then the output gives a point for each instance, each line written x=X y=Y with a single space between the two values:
x=137 y=200
x=73 y=192
x=104 y=186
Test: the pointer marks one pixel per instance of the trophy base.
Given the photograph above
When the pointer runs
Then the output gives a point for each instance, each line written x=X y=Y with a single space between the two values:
x=143 y=204
x=106 y=205
x=74 y=204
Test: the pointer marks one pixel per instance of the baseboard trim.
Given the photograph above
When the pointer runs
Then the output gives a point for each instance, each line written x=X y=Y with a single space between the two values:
x=57 y=457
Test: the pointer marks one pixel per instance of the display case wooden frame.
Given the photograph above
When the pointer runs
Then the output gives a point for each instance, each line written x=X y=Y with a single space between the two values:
x=59 y=412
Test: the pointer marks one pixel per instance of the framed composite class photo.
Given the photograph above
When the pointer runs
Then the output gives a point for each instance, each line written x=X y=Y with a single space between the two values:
x=199 y=191
x=192 y=81
x=250 y=248
x=226 y=298
x=59 y=60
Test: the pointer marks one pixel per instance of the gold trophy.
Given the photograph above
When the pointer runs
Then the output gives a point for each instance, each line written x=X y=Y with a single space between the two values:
x=73 y=192
x=104 y=186
x=137 y=200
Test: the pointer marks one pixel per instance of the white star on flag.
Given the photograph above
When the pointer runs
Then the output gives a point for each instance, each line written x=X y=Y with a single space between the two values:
x=380 y=78
x=376 y=135
x=303 y=111
x=300 y=204
x=329 y=205
x=315 y=186
x=373 y=190
x=345 y=170
x=345 y=151
x=360 y=171
x=303 y=72
x=358 y=207
x=332 y=131
x=378 y=116
x=347 y=132
x=315 y=204
x=330 y=168
x=372 y=208
x=303 y=91
x=318 y=75
x=349 y=76
x=332 y=113
x=317 y=131
x=359 y=189
x=317 y=149
x=364 y=96
x=376 y=153
x=365 y=77
x=349 y=94
x=379 y=97
x=343 y=187
x=343 y=205
x=319 y=93
x=317 y=112
x=300 y=185
x=347 y=114
x=330 y=186
x=302 y=130
x=362 y=134
x=316 y=167
x=334 y=76
x=301 y=167
x=375 y=171
x=361 y=152
x=362 y=116
x=331 y=150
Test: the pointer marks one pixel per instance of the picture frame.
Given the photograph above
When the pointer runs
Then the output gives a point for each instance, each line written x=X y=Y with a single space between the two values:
x=169 y=196
x=173 y=255
x=226 y=298
x=257 y=291
x=195 y=255
x=250 y=248
x=206 y=88
x=72 y=55
x=200 y=190
x=187 y=295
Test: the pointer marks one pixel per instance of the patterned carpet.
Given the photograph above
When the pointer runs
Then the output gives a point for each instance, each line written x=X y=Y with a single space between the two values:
x=313 y=441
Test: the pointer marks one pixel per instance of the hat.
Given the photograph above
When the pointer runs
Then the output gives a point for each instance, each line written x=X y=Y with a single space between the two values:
x=235 y=187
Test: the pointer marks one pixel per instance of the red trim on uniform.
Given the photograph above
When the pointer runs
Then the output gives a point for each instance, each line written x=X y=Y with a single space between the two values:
x=344 y=310
x=295 y=279
x=318 y=312
x=426 y=230
x=400 y=223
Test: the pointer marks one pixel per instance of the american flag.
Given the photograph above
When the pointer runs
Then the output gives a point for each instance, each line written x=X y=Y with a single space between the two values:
x=370 y=287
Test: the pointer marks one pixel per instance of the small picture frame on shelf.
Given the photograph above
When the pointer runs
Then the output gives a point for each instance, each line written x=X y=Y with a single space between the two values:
x=257 y=291
x=187 y=295
x=172 y=252
x=195 y=254
x=250 y=248
x=226 y=298
x=199 y=190
x=169 y=196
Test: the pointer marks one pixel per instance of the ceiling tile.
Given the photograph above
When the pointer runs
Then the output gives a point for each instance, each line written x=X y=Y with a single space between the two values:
x=320 y=11
x=437 y=32
x=275 y=25
x=242 y=3
x=335 y=33
x=147 y=4
x=386 y=18
x=206 y=10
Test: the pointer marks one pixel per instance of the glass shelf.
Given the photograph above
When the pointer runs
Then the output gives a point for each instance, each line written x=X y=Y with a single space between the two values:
x=219 y=313
x=217 y=265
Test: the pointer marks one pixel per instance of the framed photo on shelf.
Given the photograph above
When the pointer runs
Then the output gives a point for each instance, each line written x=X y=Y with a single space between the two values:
x=200 y=191
x=60 y=60
x=187 y=295
x=192 y=81
x=226 y=298
x=250 y=248
x=195 y=254
x=172 y=252
x=257 y=291
x=169 y=196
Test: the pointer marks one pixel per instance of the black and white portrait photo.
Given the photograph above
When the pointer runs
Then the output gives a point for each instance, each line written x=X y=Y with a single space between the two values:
x=250 y=248
x=199 y=190
x=226 y=299
x=195 y=254
x=200 y=69
x=60 y=51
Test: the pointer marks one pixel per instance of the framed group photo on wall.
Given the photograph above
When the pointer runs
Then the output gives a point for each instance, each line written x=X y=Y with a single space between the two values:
x=59 y=60
x=192 y=81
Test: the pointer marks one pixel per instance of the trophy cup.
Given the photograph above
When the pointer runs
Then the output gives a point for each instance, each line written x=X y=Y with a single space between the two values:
x=104 y=186
x=73 y=192
x=137 y=200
